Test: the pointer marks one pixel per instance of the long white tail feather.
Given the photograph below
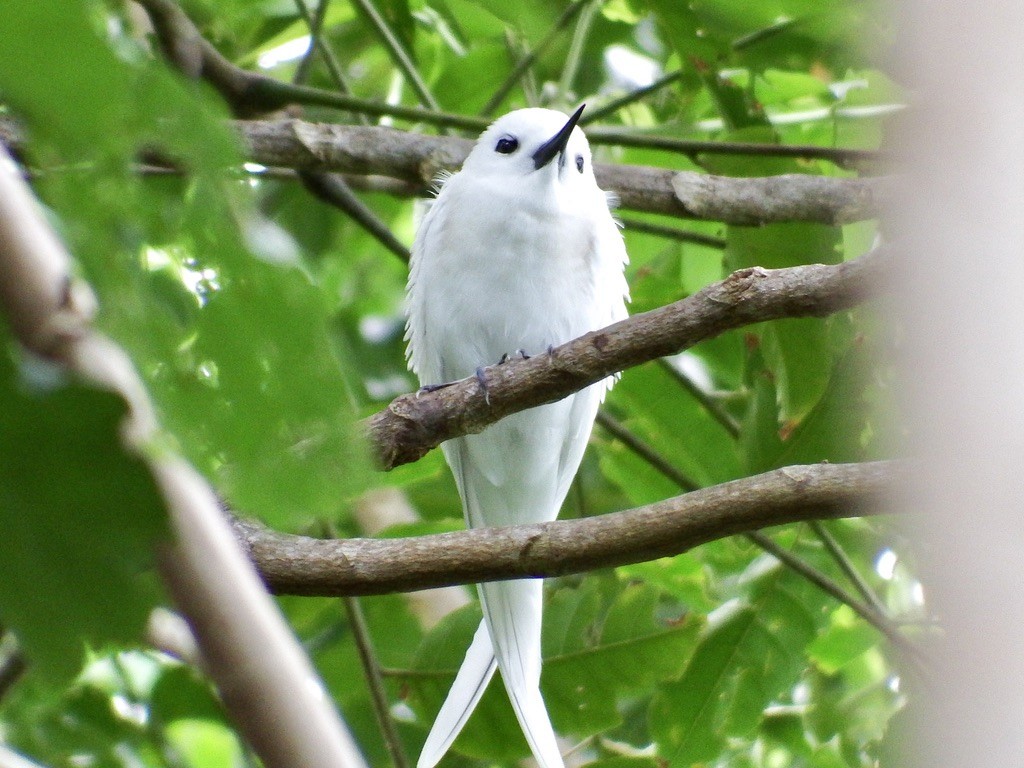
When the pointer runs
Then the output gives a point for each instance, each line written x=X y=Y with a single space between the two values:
x=512 y=610
x=470 y=683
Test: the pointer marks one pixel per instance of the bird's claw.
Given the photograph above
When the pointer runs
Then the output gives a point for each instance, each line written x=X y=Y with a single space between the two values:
x=482 y=381
x=506 y=356
x=426 y=389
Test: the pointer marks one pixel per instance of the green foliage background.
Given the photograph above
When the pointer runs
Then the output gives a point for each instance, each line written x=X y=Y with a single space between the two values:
x=266 y=323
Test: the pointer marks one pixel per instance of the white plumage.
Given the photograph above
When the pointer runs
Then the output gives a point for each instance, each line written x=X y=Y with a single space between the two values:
x=518 y=252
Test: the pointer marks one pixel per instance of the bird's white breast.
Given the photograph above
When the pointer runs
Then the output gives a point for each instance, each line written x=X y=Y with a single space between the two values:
x=506 y=271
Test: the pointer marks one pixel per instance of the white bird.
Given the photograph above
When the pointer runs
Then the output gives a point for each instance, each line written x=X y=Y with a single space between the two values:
x=518 y=253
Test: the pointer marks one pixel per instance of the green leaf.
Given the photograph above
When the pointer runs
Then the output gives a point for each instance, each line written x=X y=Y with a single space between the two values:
x=786 y=729
x=635 y=477
x=80 y=517
x=205 y=744
x=677 y=426
x=751 y=653
x=572 y=618
x=34 y=74
x=683 y=715
x=181 y=693
x=302 y=456
x=467 y=82
x=798 y=351
x=760 y=434
x=682 y=28
x=684 y=577
x=635 y=651
x=845 y=640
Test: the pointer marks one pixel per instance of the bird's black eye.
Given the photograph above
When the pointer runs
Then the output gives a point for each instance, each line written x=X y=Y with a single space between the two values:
x=579 y=163
x=506 y=145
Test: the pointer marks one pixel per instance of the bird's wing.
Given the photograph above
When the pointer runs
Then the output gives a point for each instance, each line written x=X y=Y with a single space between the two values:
x=470 y=683
x=583 y=411
x=424 y=247
x=611 y=291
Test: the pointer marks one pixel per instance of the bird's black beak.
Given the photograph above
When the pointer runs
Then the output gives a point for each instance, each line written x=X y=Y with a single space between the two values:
x=556 y=144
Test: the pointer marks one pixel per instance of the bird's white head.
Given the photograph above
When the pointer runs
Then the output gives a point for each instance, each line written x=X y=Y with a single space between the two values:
x=537 y=146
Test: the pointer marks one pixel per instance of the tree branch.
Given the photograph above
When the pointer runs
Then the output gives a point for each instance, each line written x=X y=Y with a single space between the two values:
x=419 y=158
x=267 y=684
x=415 y=423
x=303 y=566
x=375 y=682
x=253 y=93
x=412 y=161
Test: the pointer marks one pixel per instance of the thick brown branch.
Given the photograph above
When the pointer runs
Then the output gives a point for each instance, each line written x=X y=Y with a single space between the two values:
x=411 y=161
x=418 y=158
x=415 y=423
x=304 y=566
x=265 y=680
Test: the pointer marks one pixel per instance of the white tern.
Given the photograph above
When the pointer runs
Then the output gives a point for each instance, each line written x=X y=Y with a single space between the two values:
x=518 y=253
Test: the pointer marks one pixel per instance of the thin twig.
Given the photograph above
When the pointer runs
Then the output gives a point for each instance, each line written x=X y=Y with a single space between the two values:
x=575 y=54
x=375 y=682
x=527 y=61
x=808 y=571
x=399 y=54
x=317 y=43
x=314 y=24
x=693 y=147
x=332 y=188
x=628 y=438
x=283 y=94
x=369 y=183
x=707 y=402
x=827 y=585
x=613 y=106
x=765 y=33
x=672 y=233
x=847 y=566
x=733 y=428
x=256 y=92
x=252 y=92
